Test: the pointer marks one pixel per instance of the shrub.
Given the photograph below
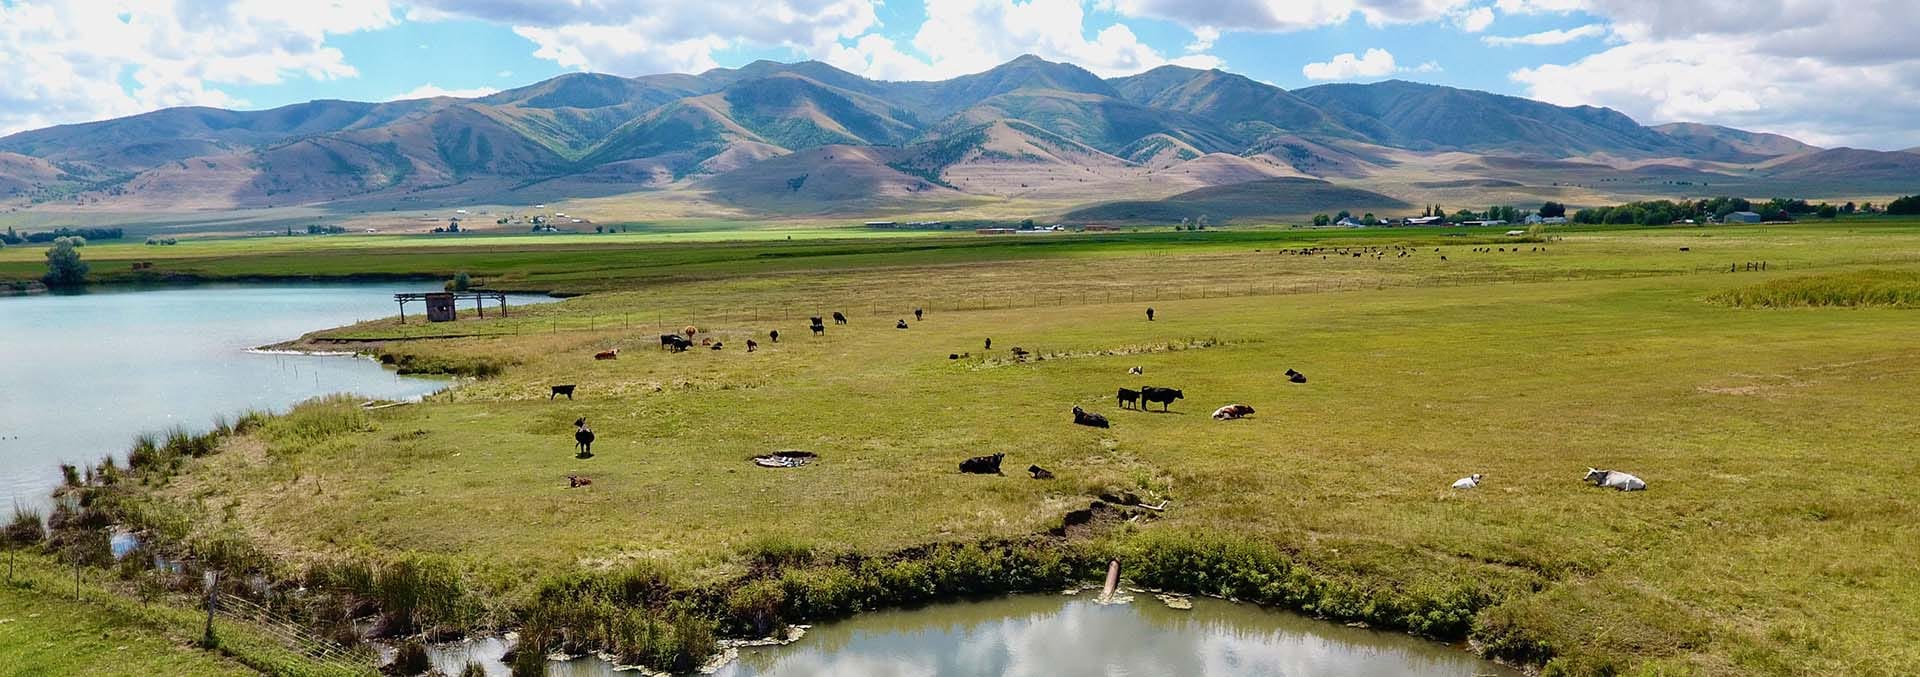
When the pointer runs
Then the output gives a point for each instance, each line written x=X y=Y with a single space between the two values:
x=25 y=529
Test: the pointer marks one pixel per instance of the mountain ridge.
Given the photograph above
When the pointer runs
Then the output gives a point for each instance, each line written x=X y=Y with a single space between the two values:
x=658 y=131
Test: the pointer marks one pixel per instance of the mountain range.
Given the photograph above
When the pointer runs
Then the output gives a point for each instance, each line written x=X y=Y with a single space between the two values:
x=809 y=139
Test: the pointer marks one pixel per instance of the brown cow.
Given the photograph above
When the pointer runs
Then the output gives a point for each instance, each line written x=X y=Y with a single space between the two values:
x=607 y=354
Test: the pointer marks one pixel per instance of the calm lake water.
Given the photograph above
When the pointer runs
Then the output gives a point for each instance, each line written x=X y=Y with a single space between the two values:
x=81 y=375
x=1057 y=635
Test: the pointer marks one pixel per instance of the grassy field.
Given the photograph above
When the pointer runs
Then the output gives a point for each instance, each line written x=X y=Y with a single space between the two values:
x=1775 y=537
x=46 y=630
x=626 y=261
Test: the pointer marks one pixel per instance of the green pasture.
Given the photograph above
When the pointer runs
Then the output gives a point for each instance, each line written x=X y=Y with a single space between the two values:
x=1775 y=537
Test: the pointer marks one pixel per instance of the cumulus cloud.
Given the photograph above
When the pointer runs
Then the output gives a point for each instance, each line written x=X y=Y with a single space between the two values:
x=430 y=90
x=1474 y=20
x=638 y=37
x=1290 y=15
x=969 y=36
x=1553 y=37
x=1770 y=66
x=73 y=60
x=1374 y=63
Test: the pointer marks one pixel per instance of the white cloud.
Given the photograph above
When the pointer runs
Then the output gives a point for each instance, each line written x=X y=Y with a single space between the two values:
x=969 y=36
x=1425 y=67
x=1772 y=66
x=1289 y=15
x=430 y=90
x=1203 y=38
x=503 y=74
x=67 y=60
x=1474 y=20
x=640 y=37
x=1374 y=63
x=1553 y=37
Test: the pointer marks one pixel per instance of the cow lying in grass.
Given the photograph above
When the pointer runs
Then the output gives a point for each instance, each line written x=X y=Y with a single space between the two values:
x=1039 y=473
x=982 y=465
x=1231 y=412
x=1614 y=479
x=1296 y=377
x=576 y=481
x=1087 y=418
x=1468 y=482
x=607 y=354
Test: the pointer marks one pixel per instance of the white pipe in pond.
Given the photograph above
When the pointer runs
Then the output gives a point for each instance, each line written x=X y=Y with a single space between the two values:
x=1113 y=579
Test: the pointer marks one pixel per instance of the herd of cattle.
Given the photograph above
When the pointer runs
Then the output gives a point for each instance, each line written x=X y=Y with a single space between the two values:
x=1126 y=398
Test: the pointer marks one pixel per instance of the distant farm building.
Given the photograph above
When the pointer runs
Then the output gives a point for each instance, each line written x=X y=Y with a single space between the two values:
x=1742 y=217
x=1516 y=233
x=882 y=224
x=1425 y=220
x=1350 y=222
x=996 y=231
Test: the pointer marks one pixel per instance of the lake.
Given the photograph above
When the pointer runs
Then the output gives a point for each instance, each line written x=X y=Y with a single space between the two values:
x=82 y=374
x=1064 y=636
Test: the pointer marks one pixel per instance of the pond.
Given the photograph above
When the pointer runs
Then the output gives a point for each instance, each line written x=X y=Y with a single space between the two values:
x=81 y=375
x=1058 y=635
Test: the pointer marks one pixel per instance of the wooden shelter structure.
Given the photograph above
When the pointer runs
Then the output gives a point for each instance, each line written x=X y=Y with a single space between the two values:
x=441 y=304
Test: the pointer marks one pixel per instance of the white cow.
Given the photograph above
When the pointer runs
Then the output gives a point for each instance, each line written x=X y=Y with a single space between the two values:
x=1467 y=482
x=1614 y=479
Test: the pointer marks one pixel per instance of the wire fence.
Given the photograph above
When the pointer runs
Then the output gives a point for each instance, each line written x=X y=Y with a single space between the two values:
x=293 y=636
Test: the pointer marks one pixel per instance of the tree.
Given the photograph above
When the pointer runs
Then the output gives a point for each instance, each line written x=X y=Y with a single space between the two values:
x=1905 y=206
x=1552 y=209
x=1368 y=219
x=1322 y=219
x=1343 y=215
x=1848 y=208
x=460 y=282
x=1826 y=211
x=64 y=267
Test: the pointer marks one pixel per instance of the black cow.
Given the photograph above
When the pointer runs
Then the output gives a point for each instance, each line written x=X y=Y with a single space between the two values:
x=774 y=335
x=716 y=345
x=1039 y=473
x=582 y=439
x=982 y=465
x=902 y=324
x=676 y=343
x=1165 y=396
x=916 y=314
x=667 y=341
x=561 y=390
x=1087 y=418
x=838 y=318
x=818 y=328
x=751 y=346
x=1129 y=396
x=1149 y=314
x=989 y=344
x=1296 y=377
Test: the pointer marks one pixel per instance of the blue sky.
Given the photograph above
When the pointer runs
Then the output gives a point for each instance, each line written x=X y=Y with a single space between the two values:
x=1767 y=65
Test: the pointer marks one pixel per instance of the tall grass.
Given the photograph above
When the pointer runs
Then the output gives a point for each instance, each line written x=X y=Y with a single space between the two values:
x=1878 y=287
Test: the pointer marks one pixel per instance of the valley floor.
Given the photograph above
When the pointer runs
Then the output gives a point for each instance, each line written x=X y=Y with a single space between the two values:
x=1774 y=538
